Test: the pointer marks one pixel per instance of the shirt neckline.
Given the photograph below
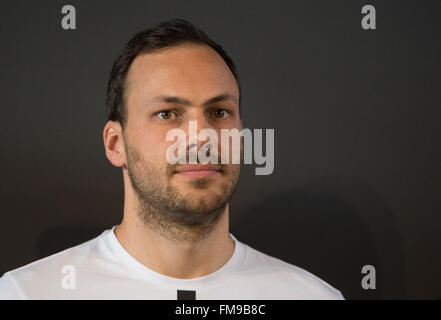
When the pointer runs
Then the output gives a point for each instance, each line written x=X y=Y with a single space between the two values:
x=150 y=275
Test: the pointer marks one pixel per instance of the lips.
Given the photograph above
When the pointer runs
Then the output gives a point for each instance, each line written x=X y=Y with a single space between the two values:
x=198 y=167
x=198 y=170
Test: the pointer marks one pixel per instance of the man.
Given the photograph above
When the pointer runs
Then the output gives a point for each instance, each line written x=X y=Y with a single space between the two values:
x=174 y=240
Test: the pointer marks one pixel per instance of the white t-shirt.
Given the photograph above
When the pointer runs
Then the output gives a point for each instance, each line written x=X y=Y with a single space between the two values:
x=102 y=269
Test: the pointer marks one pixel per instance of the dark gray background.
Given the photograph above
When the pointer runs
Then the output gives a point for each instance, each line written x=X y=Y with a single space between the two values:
x=357 y=132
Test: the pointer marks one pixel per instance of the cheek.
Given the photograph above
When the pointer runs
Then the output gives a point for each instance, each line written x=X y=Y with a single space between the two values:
x=156 y=146
x=150 y=144
x=230 y=148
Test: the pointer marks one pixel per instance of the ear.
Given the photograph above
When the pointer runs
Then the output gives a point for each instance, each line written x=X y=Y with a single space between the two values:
x=114 y=143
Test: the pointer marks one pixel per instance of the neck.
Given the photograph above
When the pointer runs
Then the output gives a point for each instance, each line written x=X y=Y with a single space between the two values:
x=193 y=258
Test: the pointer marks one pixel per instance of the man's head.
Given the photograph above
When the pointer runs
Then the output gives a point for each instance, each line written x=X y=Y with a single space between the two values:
x=166 y=35
x=166 y=77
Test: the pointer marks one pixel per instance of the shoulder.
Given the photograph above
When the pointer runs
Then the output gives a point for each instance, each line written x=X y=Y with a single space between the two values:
x=292 y=281
x=43 y=274
x=9 y=289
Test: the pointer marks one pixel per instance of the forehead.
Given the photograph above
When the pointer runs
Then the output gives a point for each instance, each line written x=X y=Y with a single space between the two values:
x=192 y=71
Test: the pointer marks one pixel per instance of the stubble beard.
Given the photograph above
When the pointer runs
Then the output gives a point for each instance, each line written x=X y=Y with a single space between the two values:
x=177 y=216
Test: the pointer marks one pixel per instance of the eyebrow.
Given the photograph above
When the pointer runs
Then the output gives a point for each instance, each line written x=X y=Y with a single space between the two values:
x=219 y=98
x=185 y=102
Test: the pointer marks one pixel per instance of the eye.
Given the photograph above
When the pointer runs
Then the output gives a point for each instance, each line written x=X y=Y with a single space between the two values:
x=220 y=113
x=165 y=114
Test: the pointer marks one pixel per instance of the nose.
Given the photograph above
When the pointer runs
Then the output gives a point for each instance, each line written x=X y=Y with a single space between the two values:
x=196 y=123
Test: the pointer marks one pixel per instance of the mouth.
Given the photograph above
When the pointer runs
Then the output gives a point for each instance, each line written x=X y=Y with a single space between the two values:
x=198 y=170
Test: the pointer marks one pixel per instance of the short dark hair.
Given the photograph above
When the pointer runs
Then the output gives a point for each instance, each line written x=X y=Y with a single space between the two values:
x=165 y=35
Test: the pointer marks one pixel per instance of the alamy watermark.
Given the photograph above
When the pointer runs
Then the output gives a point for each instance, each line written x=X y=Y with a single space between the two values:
x=68 y=282
x=69 y=21
x=369 y=20
x=368 y=282
x=209 y=151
